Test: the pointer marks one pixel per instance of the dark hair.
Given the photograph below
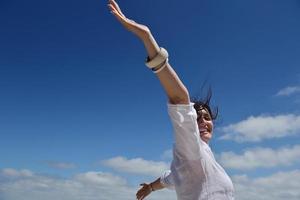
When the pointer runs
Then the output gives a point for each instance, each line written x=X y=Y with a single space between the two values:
x=200 y=103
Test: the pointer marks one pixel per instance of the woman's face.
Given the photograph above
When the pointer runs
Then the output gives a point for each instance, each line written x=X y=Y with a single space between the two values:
x=205 y=125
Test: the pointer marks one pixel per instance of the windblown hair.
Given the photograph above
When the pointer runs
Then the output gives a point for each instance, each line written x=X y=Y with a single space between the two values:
x=200 y=103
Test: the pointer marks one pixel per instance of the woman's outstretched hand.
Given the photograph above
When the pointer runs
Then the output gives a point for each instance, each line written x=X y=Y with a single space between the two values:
x=140 y=30
x=144 y=191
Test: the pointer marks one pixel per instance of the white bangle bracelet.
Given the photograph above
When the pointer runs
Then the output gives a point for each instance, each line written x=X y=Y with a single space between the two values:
x=161 y=67
x=159 y=58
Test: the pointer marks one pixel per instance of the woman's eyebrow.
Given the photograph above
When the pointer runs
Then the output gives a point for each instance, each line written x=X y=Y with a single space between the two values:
x=203 y=114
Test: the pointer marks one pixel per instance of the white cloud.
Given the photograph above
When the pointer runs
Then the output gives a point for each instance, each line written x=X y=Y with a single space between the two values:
x=12 y=173
x=255 y=129
x=100 y=178
x=288 y=91
x=105 y=186
x=282 y=185
x=137 y=166
x=60 y=165
x=87 y=186
x=260 y=157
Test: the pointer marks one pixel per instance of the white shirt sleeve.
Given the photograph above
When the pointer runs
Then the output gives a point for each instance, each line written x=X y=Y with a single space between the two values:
x=188 y=144
x=167 y=180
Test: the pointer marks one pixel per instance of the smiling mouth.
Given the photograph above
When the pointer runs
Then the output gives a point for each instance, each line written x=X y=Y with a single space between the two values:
x=203 y=130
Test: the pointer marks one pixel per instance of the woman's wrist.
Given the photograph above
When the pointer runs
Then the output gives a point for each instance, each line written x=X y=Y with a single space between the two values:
x=151 y=45
x=151 y=187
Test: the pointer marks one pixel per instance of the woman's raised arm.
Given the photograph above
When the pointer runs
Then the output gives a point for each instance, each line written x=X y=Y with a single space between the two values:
x=175 y=89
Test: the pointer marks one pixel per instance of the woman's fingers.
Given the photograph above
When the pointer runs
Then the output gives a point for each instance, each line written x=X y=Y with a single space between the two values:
x=112 y=7
x=138 y=29
x=140 y=196
x=119 y=16
x=114 y=3
x=143 y=192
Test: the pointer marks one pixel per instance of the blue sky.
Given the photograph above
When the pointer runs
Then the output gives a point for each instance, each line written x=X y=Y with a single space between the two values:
x=78 y=104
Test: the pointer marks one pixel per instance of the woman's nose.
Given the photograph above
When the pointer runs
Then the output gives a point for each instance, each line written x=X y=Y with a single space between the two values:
x=200 y=119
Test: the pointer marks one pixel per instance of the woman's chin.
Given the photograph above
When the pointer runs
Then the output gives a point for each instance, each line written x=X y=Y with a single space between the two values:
x=205 y=137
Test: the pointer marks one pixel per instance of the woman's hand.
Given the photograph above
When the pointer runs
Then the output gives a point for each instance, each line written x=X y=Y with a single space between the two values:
x=140 y=30
x=144 y=191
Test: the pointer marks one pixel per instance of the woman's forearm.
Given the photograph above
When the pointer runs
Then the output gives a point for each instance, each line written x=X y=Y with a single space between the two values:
x=151 y=45
x=175 y=89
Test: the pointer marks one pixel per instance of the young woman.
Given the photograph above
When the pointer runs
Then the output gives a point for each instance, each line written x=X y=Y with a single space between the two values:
x=194 y=173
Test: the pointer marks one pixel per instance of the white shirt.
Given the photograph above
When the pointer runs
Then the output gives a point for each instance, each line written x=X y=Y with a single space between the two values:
x=194 y=174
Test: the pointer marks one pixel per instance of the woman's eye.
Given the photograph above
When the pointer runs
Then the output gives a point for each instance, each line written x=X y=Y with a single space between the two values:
x=207 y=118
